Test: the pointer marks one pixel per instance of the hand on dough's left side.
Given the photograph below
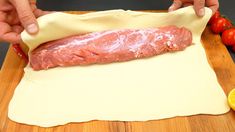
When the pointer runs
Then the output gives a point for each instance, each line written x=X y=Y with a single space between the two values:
x=17 y=15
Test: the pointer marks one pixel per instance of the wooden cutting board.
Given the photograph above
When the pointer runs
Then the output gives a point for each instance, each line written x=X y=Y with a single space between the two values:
x=218 y=57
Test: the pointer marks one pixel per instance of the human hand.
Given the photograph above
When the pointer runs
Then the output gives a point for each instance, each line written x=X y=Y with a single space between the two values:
x=17 y=15
x=197 y=4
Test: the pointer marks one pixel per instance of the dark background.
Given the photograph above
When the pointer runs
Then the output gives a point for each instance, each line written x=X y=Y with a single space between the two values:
x=226 y=7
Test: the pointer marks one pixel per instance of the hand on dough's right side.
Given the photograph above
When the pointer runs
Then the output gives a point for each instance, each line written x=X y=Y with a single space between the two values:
x=17 y=15
x=197 y=4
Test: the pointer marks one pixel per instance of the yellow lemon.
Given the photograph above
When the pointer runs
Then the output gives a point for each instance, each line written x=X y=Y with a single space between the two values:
x=231 y=99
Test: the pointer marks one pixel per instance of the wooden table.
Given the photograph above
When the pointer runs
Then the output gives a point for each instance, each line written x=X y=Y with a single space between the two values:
x=218 y=57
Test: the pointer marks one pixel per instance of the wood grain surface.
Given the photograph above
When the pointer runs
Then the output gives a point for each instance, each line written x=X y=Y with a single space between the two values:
x=218 y=57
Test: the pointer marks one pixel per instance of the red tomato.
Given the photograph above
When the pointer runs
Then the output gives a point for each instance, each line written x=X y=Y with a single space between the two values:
x=220 y=24
x=214 y=17
x=228 y=37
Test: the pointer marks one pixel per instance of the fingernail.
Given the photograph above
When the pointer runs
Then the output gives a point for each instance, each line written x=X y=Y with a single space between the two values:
x=170 y=9
x=32 y=28
x=201 y=12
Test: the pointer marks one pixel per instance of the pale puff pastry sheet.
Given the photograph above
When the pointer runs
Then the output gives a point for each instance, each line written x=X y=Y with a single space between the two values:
x=164 y=86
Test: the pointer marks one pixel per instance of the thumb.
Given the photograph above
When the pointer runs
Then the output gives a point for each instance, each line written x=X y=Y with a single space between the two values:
x=199 y=7
x=26 y=16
